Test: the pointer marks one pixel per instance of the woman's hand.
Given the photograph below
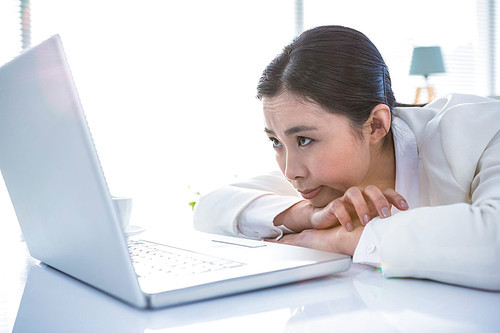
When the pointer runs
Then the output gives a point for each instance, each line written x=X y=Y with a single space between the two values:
x=365 y=203
x=362 y=204
x=336 y=239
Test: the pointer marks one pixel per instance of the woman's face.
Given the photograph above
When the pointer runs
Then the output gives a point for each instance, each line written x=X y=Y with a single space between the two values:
x=317 y=151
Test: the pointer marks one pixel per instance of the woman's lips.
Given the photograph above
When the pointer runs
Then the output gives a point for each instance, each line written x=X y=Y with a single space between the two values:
x=309 y=194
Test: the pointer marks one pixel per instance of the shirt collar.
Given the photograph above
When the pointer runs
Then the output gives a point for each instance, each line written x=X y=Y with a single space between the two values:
x=406 y=154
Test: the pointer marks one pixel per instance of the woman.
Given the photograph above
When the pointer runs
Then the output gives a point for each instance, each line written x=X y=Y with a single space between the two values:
x=349 y=154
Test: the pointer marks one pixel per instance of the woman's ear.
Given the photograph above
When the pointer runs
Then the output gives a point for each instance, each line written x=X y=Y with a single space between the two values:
x=380 y=122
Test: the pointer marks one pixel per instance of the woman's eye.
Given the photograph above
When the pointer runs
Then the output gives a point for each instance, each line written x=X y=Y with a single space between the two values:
x=276 y=143
x=304 y=141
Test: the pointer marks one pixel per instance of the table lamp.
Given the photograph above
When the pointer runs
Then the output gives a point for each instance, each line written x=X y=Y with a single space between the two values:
x=425 y=61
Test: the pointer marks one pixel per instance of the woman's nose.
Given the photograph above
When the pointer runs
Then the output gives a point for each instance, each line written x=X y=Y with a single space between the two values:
x=294 y=168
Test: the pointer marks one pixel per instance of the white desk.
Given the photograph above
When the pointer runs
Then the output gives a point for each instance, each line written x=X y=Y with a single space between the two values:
x=36 y=298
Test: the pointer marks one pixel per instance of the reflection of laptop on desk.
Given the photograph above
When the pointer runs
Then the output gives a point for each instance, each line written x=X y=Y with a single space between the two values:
x=57 y=187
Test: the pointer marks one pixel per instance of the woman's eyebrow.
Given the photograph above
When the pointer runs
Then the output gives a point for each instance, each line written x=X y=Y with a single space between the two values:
x=293 y=130
x=297 y=129
x=268 y=131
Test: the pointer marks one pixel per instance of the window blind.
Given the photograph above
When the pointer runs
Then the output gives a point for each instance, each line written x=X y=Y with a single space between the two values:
x=10 y=30
x=493 y=10
x=25 y=11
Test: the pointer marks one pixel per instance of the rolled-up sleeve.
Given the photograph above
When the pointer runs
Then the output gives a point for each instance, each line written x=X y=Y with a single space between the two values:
x=257 y=220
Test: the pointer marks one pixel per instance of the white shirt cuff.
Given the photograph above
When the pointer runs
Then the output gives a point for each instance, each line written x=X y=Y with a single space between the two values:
x=257 y=220
x=368 y=249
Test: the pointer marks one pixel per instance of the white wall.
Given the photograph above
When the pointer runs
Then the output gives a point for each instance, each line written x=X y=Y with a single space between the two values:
x=169 y=91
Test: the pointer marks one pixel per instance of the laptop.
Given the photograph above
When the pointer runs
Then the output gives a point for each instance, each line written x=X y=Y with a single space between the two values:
x=58 y=190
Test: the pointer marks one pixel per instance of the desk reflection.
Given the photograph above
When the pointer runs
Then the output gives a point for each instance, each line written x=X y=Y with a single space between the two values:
x=55 y=302
x=359 y=300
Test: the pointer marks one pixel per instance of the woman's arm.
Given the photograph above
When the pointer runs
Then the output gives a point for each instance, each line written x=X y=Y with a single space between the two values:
x=458 y=240
x=238 y=208
x=336 y=239
x=355 y=205
x=219 y=211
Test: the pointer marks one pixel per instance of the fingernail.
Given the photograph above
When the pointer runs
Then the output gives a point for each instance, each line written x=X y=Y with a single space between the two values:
x=385 y=212
x=366 y=219
x=349 y=227
x=403 y=204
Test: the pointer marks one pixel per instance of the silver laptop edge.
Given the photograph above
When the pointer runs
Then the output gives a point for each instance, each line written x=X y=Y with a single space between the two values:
x=43 y=92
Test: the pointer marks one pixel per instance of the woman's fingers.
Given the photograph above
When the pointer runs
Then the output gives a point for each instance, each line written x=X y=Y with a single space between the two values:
x=334 y=213
x=358 y=201
x=370 y=201
x=338 y=207
x=378 y=200
x=381 y=201
x=395 y=198
x=324 y=218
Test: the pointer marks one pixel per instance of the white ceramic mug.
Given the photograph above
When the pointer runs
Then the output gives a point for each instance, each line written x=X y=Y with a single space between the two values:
x=123 y=207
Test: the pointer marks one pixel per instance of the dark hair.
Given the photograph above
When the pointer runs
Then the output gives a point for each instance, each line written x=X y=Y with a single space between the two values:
x=336 y=67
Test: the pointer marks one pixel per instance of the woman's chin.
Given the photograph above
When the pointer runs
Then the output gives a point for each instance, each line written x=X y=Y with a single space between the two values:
x=317 y=203
x=326 y=196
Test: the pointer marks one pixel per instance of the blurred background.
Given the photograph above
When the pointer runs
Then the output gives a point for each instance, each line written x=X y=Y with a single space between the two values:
x=168 y=87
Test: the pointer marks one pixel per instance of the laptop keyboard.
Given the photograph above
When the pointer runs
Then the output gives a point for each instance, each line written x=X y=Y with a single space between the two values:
x=157 y=259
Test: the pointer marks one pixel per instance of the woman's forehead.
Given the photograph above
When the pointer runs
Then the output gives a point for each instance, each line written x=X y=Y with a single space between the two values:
x=282 y=113
x=288 y=103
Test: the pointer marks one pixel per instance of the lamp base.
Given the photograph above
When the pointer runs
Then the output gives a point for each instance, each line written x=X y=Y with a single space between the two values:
x=430 y=94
